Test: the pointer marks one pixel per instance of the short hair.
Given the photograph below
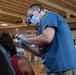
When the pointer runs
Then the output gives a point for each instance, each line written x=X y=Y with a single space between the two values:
x=33 y=7
x=7 y=41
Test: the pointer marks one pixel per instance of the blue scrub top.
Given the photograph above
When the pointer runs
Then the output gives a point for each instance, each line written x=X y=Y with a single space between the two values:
x=60 y=54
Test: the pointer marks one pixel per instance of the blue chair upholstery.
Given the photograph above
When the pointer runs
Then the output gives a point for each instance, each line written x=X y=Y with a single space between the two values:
x=6 y=67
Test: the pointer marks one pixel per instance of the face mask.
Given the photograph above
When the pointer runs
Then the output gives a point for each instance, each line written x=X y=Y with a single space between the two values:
x=35 y=20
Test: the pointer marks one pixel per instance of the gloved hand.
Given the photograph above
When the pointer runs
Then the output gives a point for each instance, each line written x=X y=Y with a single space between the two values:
x=22 y=37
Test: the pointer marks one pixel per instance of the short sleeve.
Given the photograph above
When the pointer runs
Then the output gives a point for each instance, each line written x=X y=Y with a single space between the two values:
x=51 y=21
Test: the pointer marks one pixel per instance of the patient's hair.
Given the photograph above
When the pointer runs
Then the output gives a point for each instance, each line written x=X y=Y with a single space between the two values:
x=7 y=41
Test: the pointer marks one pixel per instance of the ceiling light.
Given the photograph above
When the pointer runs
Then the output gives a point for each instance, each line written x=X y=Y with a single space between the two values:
x=16 y=29
x=3 y=24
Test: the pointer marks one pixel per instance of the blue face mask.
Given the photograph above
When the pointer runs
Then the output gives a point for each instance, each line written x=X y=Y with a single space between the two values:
x=35 y=20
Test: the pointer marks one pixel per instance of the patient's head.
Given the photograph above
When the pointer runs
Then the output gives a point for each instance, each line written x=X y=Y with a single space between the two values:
x=7 y=41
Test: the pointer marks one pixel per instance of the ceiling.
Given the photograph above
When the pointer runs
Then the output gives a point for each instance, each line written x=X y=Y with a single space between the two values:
x=13 y=12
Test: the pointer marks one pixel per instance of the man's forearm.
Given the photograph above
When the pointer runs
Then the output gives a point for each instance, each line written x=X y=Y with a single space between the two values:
x=38 y=40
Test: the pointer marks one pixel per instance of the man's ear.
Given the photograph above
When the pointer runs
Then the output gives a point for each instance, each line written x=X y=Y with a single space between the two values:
x=37 y=9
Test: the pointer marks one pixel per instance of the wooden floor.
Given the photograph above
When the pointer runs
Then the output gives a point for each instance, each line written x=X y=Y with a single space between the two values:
x=38 y=68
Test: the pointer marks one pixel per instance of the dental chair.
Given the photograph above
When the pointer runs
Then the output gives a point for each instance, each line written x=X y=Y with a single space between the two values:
x=6 y=67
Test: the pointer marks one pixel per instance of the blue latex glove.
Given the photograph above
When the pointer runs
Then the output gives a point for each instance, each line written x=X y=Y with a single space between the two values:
x=22 y=37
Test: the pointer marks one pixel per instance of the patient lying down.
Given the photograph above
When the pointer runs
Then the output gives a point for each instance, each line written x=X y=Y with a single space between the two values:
x=21 y=64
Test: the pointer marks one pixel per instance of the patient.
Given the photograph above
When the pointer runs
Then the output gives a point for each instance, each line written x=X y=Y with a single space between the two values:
x=21 y=64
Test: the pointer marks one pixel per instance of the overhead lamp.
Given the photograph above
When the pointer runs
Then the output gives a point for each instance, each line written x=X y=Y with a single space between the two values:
x=16 y=29
x=3 y=24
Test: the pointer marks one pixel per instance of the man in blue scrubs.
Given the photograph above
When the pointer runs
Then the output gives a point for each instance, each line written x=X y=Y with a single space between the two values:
x=55 y=41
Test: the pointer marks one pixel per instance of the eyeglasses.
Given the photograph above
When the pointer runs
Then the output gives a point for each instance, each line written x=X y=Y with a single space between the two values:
x=28 y=21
